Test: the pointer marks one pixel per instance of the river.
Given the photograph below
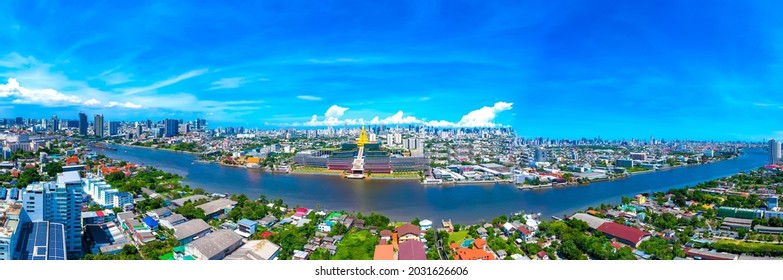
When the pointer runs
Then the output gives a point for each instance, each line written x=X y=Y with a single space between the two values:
x=405 y=200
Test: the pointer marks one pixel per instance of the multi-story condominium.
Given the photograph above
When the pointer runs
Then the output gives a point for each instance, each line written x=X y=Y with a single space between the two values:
x=59 y=203
x=12 y=218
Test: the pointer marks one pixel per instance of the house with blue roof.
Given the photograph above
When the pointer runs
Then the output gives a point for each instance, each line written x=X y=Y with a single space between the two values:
x=247 y=227
x=151 y=223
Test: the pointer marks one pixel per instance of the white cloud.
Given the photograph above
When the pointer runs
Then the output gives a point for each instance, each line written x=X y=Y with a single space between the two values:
x=92 y=102
x=227 y=83
x=46 y=97
x=167 y=82
x=309 y=97
x=483 y=117
x=15 y=60
x=123 y=105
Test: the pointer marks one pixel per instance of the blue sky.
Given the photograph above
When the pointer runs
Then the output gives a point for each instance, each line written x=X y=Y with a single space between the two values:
x=618 y=69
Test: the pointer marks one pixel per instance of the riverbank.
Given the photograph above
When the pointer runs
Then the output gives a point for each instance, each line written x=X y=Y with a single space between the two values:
x=405 y=199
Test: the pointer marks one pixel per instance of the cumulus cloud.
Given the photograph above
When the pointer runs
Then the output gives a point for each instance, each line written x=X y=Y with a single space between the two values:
x=92 y=102
x=309 y=97
x=51 y=97
x=123 y=105
x=483 y=117
x=47 y=96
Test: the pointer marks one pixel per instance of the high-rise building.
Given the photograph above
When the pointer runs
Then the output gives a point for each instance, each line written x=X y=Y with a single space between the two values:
x=201 y=124
x=774 y=151
x=59 y=203
x=12 y=218
x=114 y=128
x=55 y=124
x=83 y=124
x=19 y=121
x=184 y=128
x=42 y=241
x=138 y=131
x=98 y=123
x=171 y=128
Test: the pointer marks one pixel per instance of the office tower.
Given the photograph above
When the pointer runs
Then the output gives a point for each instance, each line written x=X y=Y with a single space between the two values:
x=201 y=124
x=59 y=203
x=12 y=217
x=98 y=123
x=774 y=151
x=184 y=128
x=138 y=131
x=19 y=121
x=148 y=123
x=83 y=124
x=55 y=124
x=171 y=128
x=114 y=128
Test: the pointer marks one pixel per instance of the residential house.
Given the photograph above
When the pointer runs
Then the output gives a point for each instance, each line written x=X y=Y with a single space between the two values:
x=408 y=232
x=411 y=250
x=384 y=252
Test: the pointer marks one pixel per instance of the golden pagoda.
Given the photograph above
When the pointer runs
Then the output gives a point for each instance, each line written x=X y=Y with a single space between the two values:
x=363 y=139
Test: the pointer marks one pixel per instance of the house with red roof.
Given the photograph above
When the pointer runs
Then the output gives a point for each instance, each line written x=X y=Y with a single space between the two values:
x=72 y=160
x=625 y=234
x=412 y=250
x=408 y=232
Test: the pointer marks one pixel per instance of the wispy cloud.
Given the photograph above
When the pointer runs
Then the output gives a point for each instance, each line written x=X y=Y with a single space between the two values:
x=334 y=60
x=15 y=60
x=309 y=97
x=167 y=82
x=227 y=83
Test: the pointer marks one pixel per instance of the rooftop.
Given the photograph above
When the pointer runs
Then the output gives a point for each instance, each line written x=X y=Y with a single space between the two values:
x=412 y=250
x=181 y=201
x=384 y=252
x=255 y=250
x=217 y=205
x=592 y=221
x=190 y=228
x=69 y=177
x=215 y=243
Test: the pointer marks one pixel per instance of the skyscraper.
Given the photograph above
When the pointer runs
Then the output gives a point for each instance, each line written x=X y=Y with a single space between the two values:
x=55 y=124
x=98 y=123
x=59 y=203
x=172 y=126
x=114 y=128
x=83 y=124
x=774 y=151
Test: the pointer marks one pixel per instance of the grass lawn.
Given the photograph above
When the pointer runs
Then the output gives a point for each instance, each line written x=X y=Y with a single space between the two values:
x=458 y=237
x=357 y=246
x=757 y=249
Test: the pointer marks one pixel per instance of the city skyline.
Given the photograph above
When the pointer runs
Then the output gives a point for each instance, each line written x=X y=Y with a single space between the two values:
x=558 y=71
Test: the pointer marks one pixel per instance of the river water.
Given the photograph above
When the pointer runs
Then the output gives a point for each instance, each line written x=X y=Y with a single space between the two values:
x=405 y=200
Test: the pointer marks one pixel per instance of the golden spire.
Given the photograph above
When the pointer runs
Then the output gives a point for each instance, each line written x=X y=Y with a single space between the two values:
x=362 y=138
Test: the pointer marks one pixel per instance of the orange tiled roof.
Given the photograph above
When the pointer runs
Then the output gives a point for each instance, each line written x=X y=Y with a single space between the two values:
x=473 y=254
x=384 y=252
x=479 y=243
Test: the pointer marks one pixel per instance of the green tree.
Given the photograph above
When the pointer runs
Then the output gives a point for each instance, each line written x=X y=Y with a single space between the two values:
x=28 y=176
x=53 y=168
